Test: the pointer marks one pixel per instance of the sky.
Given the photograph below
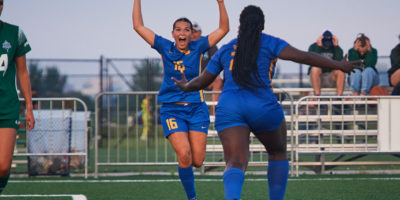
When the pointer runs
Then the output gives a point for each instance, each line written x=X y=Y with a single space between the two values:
x=91 y=28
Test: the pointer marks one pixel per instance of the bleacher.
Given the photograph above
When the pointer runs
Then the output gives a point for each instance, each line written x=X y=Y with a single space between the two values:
x=330 y=125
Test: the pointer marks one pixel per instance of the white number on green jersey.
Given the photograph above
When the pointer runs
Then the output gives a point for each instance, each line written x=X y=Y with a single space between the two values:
x=3 y=63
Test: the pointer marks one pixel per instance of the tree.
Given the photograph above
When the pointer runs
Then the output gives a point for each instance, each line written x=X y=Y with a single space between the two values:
x=48 y=84
x=85 y=98
x=148 y=76
x=54 y=82
x=36 y=75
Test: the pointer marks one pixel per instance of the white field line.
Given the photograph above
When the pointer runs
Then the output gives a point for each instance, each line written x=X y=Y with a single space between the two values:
x=197 y=180
x=73 y=196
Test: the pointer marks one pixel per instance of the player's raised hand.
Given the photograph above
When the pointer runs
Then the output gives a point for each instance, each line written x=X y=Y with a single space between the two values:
x=349 y=66
x=220 y=1
x=180 y=83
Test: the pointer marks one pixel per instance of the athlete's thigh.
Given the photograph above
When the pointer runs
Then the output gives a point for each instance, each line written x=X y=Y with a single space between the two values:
x=274 y=141
x=7 y=143
x=235 y=141
x=198 y=142
x=180 y=143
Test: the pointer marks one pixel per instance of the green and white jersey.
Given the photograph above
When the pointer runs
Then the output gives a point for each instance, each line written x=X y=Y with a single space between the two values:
x=13 y=44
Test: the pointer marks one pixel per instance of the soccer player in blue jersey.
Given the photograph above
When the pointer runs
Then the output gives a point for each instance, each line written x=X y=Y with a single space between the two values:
x=184 y=115
x=13 y=48
x=247 y=103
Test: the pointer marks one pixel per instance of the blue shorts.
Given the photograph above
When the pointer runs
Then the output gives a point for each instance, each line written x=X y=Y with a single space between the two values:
x=184 y=118
x=258 y=110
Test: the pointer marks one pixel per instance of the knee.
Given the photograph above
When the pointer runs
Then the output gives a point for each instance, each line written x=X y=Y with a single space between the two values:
x=185 y=159
x=239 y=162
x=356 y=72
x=198 y=163
x=277 y=154
x=315 y=72
x=198 y=160
x=236 y=164
x=369 y=72
x=340 y=75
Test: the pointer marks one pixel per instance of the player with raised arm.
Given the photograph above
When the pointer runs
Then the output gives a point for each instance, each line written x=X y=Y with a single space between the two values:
x=247 y=103
x=184 y=116
x=14 y=46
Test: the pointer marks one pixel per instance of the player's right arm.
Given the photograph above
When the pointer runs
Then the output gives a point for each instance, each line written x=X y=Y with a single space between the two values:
x=198 y=83
x=147 y=34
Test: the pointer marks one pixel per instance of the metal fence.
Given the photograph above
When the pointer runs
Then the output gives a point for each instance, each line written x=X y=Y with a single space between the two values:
x=58 y=144
x=119 y=128
x=316 y=125
x=341 y=125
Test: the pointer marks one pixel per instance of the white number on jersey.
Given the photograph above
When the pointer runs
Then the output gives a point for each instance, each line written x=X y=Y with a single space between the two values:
x=3 y=63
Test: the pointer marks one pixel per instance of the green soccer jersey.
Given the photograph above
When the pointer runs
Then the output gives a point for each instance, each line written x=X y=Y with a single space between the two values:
x=13 y=44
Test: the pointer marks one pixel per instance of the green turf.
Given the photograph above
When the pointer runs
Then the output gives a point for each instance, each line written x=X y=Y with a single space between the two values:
x=211 y=187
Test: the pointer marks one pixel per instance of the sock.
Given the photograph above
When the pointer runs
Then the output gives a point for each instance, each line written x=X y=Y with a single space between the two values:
x=3 y=182
x=187 y=179
x=233 y=181
x=277 y=178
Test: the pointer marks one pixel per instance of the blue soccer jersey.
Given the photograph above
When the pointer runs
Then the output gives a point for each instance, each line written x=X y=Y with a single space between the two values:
x=174 y=61
x=269 y=51
x=257 y=109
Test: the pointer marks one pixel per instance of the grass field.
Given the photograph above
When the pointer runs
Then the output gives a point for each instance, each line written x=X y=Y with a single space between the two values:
x=143 y=187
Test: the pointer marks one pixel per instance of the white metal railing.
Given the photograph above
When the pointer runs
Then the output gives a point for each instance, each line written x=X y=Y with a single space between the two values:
x=61 y=130
x=345 y=125
x=115 y=110
x=316 y=125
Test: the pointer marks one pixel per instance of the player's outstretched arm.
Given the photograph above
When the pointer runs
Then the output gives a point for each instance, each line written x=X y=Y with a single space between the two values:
x=223 y=28
x=314 y=59
x=198 y=83
x=25 y=84
x=147 y=34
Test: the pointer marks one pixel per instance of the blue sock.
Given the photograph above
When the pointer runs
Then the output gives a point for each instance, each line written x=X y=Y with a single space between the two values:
x=3 y=182
x=233 y=181
x=187 y=178
x=277 y=178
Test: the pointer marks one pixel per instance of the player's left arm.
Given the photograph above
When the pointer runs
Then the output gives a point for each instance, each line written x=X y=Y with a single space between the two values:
x=314 y=59
x=25 y=84
x=223 y=28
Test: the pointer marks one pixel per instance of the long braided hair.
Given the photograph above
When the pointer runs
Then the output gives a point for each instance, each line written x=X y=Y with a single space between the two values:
x=249 y=36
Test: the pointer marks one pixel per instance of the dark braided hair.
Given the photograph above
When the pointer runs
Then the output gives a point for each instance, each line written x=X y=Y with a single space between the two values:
x=249 y=36
x=183 y=19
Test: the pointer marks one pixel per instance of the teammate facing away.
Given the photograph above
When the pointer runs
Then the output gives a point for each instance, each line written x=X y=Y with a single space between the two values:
x=13 y=48
x=247 y=103
x=184 y=115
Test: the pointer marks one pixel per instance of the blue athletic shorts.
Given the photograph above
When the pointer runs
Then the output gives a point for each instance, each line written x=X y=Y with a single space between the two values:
x=184 y=118
x=259 y=110
x=9 y=123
